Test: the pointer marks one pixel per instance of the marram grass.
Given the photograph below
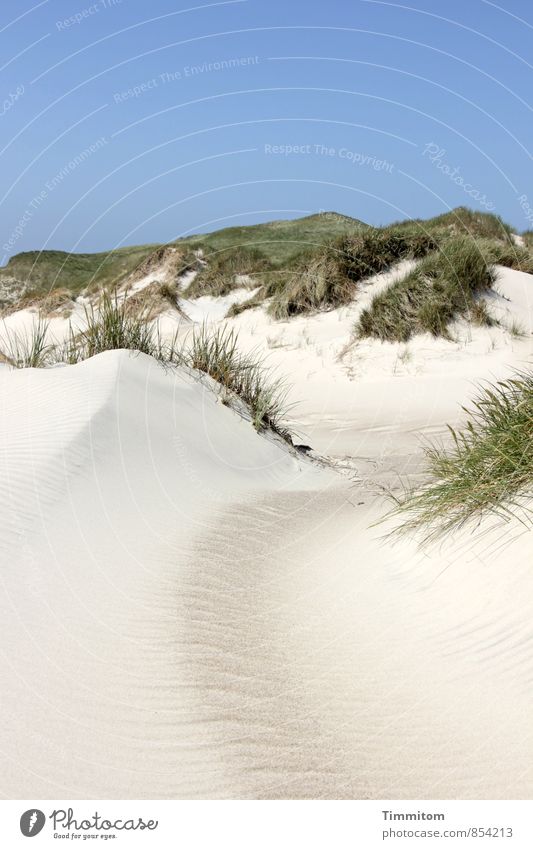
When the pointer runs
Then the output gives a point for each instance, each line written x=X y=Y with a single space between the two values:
x=27 y=348
x=447 y=284
x=487 y=469
x=245 y=376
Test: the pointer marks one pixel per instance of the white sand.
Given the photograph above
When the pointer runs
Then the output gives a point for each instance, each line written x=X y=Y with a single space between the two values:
x=188 y=610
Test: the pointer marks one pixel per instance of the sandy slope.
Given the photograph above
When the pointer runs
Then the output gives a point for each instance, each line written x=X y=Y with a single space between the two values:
x=369 y=397
x=190 y=610
x=110 y=470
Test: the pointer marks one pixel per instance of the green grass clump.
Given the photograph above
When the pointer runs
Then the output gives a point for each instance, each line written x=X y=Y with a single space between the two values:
x=111 y=325
x=376 y=250
x=489 y=467
x=29 y=348
x=444 y=286
x=243 y=375
x=251 y=303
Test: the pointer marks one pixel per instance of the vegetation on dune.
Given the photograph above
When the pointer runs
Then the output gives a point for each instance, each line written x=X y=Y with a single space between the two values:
x=313 y=277
x=54 y=302
x=489 y=467
x=469 y=222
x=43 y=277
x=153 y=299
x=328 y=278
x=301 y=266
x=224 y=270
x=29 y=348
x=318 y=282
x=268 y=253
x=170 y=260
x=314 y=262
x=453 y=271
x=217 y=354
x=508 y=254
x=377 y=250
x=114 y=325
x=278 y=241
x=37 y=272
x=250 y=303
x=444 y=286
x=528 y=238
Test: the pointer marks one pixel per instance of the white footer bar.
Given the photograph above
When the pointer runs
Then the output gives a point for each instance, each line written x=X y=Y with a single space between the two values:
x=265 y=824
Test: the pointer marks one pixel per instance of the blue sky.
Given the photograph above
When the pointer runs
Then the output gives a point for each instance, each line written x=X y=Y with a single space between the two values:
x=132 y=122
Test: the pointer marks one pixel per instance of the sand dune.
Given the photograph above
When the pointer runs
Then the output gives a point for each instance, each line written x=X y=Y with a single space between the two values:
x=192 y=610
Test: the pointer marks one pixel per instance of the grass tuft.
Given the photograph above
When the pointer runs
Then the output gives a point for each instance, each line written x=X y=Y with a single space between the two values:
x=243 y=375
x=489 y=467
x=29 y=348
x=113 y=325
x=318 y=283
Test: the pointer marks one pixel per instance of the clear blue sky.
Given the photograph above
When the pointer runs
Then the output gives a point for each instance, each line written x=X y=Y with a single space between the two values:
x=140 y=122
